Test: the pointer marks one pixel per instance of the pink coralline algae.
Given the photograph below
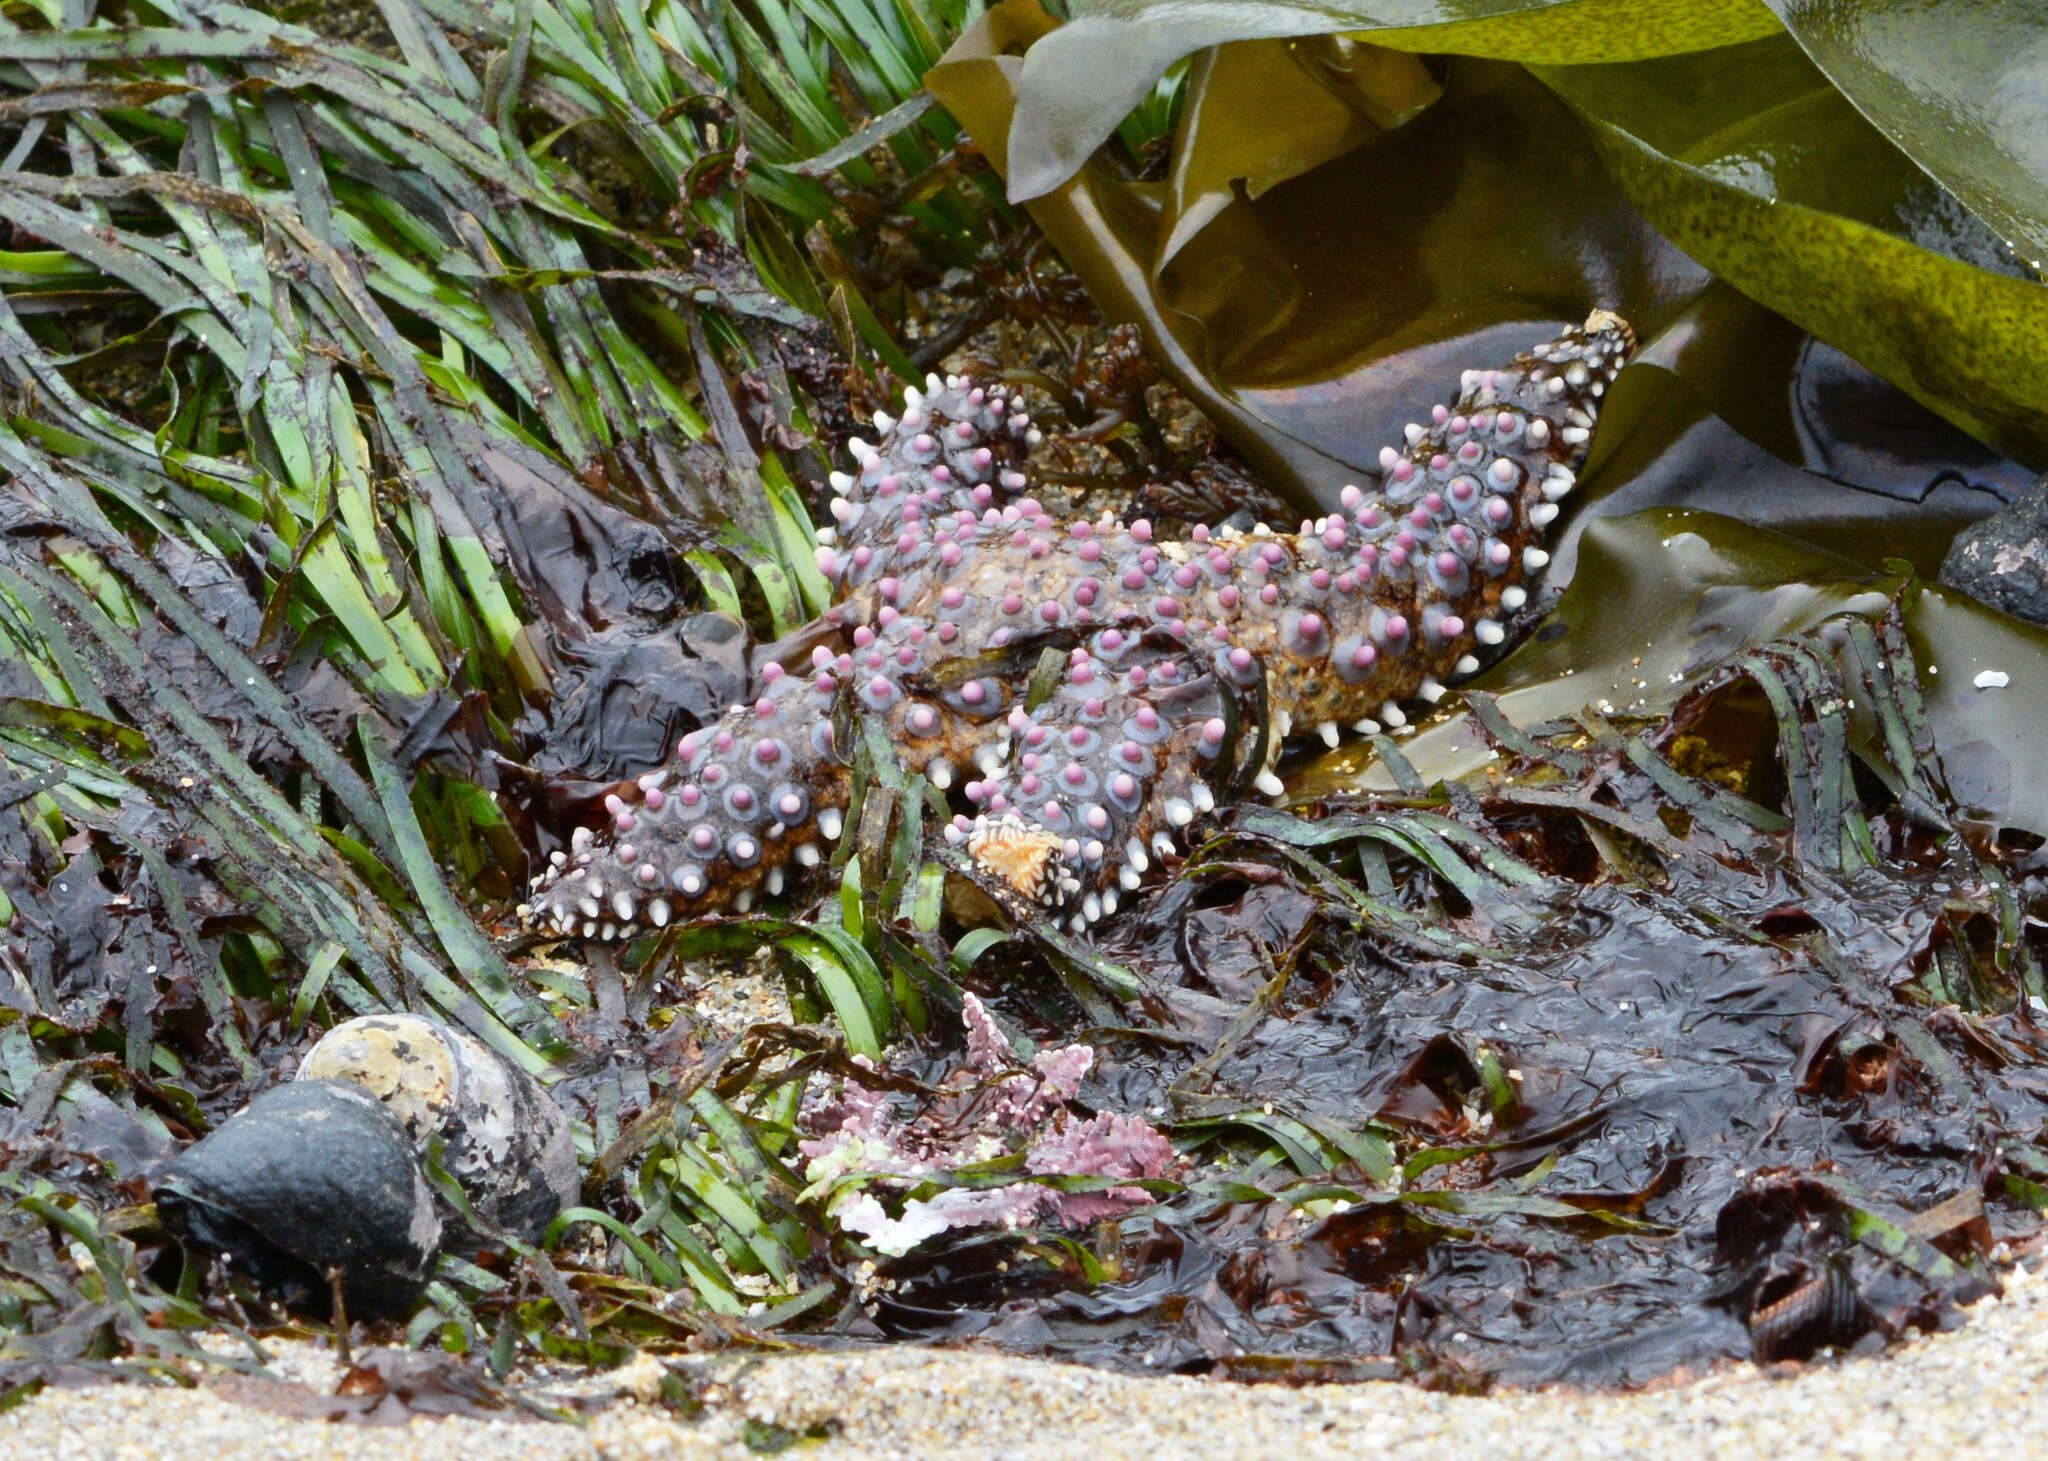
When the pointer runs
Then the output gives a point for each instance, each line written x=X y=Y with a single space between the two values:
x=990 y=1108
x=1086 y=691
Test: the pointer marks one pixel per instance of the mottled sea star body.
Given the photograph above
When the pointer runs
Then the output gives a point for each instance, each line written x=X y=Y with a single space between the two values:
x=1086 y=689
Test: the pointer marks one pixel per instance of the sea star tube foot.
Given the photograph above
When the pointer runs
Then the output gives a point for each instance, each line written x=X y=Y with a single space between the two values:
x=1085 y=690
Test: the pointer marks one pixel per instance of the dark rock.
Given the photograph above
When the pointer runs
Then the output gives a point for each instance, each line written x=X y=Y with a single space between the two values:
x=2003 y=560
x=311 y=1177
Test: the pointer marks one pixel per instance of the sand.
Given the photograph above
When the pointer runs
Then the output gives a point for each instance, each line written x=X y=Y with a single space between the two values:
x=1979 y=1392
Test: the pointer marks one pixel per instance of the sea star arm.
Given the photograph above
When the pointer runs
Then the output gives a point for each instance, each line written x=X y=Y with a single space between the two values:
x=1102 y=778
x=954 y=450
x=745 y=804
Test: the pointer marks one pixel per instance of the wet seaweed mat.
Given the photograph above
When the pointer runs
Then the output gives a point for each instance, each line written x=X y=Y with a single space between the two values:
x=1598 y=1071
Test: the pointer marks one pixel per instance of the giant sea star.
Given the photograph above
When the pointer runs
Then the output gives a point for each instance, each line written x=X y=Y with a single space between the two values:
x=1100 y=688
